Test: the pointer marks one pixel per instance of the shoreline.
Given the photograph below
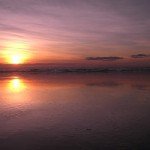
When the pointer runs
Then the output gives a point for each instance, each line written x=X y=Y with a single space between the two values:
x=77 y=70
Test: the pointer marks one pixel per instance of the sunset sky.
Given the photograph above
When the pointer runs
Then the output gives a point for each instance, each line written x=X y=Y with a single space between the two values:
x=45 y=31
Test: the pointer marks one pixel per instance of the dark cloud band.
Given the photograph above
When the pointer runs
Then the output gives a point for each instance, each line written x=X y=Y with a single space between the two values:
x=112 y=58
x=140 y=56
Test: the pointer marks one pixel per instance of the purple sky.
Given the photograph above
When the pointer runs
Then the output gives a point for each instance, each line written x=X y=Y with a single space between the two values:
x=76 y=29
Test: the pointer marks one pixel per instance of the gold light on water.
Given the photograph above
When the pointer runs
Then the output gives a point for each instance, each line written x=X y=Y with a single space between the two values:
x=16 y=85
x=15 y=92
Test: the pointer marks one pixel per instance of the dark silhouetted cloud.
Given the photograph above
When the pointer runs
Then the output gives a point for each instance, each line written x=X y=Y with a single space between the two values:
x=140 y=56
x=111 y=58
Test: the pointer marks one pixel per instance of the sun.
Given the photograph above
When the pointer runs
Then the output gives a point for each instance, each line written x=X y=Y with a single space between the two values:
x=16 y=59
x=16 y=53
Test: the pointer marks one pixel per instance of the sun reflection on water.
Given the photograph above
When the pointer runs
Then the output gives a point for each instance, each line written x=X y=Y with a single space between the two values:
x=16 y=85
x=15 y=92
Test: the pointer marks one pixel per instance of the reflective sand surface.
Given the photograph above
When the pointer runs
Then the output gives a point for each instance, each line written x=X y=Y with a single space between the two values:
x=74 y=111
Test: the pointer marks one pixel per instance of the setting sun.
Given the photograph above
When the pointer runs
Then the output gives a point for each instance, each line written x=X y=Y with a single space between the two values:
x=16 y=53
x=16 y=59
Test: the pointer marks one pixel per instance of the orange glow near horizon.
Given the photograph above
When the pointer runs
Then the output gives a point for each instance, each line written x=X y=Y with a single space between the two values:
x=16 y=53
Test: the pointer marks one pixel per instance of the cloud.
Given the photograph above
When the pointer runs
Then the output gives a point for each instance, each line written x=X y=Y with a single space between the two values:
x=140 y=56
x=111 y=58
